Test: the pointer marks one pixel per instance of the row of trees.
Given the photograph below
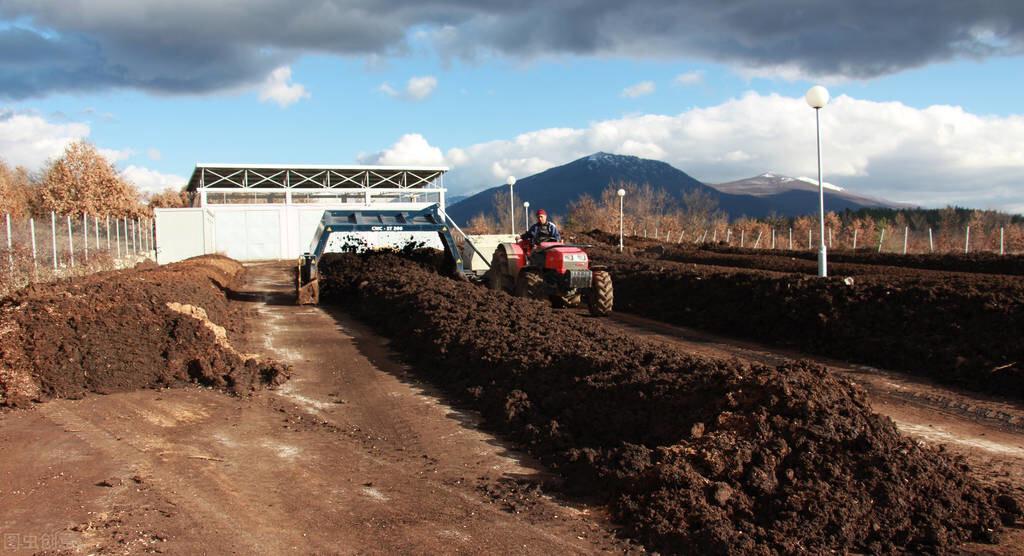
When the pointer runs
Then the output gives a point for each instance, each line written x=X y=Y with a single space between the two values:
x=80 y=181
x=695 y=216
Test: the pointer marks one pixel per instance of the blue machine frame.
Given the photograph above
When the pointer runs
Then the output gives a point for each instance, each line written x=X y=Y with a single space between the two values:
x=429 y=219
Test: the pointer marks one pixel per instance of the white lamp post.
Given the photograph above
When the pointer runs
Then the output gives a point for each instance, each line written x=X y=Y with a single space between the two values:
x=622 y=195
x=511 y=181
x=817 y=98
x=526 y=213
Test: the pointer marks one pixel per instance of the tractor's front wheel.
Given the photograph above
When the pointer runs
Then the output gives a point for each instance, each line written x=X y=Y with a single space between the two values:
x=496 y=274
x=601 y=295
x=529 y=284
x=566 y=300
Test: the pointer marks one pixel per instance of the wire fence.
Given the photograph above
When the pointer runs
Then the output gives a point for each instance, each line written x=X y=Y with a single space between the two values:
x=48 y=247
x=1002 y=240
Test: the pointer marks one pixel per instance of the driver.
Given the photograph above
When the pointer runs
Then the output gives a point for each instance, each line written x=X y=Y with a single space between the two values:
x=542 y=230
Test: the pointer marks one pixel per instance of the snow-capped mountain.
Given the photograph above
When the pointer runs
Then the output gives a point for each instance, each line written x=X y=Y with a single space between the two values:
x=783 y=191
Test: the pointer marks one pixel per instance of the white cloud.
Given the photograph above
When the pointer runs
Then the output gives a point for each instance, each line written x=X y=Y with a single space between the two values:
x=420 y=88
x=154 y=154
x=640 y=89
x=277 y=87
x=29 y=140
x=116 y=155
x=931 y=156
x=417 y=88
x=151 y=181
x=411 y=149
x=695 y=77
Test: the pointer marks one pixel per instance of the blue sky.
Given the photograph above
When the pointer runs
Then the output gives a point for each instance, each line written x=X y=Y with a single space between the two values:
x=495 y=110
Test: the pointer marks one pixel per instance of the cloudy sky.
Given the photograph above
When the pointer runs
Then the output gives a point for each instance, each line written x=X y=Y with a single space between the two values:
x=926 y=95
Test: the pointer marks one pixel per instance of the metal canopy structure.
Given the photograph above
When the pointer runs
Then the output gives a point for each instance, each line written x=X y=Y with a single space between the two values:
x=275 y=177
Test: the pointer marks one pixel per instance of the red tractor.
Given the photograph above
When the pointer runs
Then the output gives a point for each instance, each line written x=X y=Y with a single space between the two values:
x=554 y=271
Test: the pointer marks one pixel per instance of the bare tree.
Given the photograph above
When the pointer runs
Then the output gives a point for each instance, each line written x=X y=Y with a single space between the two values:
x=82 y=181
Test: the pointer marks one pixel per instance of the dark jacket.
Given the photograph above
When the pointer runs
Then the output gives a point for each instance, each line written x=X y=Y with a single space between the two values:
x=543 y=232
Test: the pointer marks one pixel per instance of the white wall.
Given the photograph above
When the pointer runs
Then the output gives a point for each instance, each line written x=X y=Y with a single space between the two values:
x=181 y=233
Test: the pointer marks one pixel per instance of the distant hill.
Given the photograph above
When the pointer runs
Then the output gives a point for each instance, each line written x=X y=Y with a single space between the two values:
x=554 y=189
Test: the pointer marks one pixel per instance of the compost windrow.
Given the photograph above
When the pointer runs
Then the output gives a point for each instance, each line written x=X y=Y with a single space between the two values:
x=147 y=327
x=845 y=261
x=959 y=329
x=692 y=454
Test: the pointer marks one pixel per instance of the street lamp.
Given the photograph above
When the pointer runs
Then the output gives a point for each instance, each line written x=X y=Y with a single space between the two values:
x=511 y=181
x=817 y=98
x=622 y=194
x=526 y=213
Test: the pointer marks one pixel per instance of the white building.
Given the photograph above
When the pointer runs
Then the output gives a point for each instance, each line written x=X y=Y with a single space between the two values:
x=263 y=212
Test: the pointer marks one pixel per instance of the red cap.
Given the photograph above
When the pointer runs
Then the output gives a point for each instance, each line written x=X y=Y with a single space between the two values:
x=540 y=212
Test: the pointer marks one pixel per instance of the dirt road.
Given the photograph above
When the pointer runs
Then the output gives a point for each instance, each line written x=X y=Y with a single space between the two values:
x=987 y=432
x=351 y=456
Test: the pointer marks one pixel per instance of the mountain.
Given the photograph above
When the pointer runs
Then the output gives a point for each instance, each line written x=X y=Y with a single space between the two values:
x=555 y=188
x=795 y=196
x=755 y=197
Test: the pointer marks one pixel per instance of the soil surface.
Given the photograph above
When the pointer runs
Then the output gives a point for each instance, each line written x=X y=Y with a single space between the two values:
x=148 y=327
x=693 y=454
x=959 y=328
x=352 y=455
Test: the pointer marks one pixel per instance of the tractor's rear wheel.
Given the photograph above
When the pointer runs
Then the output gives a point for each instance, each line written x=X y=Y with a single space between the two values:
x=530 y=284
x=601 y=295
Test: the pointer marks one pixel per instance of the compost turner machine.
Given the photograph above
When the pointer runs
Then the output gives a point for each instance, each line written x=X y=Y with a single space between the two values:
x=377 y=221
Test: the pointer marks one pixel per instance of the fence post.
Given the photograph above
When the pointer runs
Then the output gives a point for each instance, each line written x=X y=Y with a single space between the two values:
x=791 y=239
x=881 y=239
x=773 y=239
x=32 y=228
x=53 y=237
x=810 y=239
x=743 y=234
x=108 y=234
x=830 y=238
x=1001 y=251
x=758 y=241
x=714 y=236
x=645 y=233
x=906 y=232
x=931 y=242
x=85 y=236
x=71 y=242
x=10 y=246
x=728 y=235
x=96 y=232
x=117 y=236
x=855 y=239
x=967 y=241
